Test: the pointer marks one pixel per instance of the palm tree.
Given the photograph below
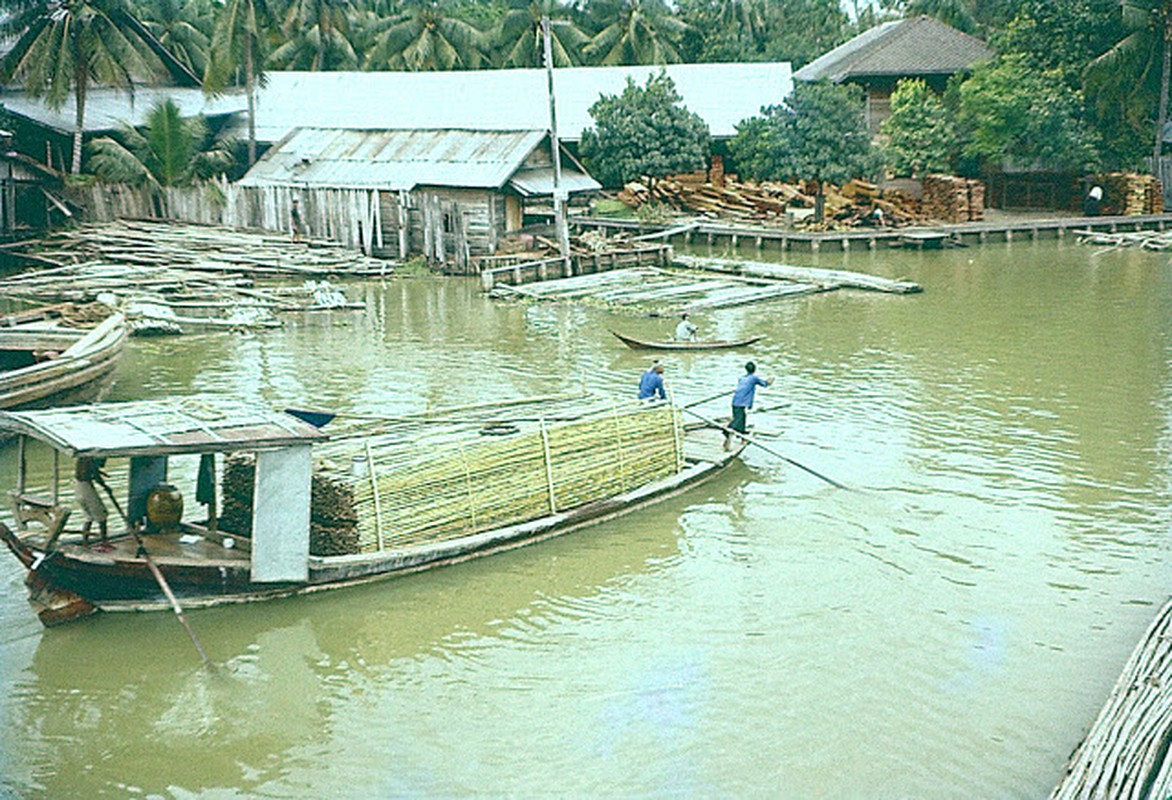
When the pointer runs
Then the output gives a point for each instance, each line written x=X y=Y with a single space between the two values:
x=1129 y=73
x=317 y=36
x=238 y=40
x=63 y=45
x=635 y=32
x=951 y=12
x=518 y=35
x=183 y=27
x=167 y=151
x=426 y=35
x=746 y=17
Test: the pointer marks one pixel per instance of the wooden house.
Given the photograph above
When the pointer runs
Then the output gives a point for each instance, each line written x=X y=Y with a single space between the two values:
x=30 y=193
x=443 y=194
x=877 y=59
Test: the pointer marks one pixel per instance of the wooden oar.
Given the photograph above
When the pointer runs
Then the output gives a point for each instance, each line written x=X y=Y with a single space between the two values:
x=159 y=579
x=751 y=440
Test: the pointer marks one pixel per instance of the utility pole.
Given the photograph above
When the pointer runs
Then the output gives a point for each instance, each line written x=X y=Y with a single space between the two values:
x=560 y=196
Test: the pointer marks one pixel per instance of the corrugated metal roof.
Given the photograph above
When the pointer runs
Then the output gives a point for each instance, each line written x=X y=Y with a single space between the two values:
x=539 y=182
x=918 y=46
x=395 y=159
x=195 y=424
x=513 y=99
x=108 y=109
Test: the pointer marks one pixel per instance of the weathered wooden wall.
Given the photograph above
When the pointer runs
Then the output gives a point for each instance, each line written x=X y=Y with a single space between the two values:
x=444 y=225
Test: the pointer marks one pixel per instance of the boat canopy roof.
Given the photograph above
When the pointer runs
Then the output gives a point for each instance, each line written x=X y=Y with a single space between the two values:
x=192 y=424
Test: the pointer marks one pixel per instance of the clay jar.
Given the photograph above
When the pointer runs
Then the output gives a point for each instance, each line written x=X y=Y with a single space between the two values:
x=164 y=507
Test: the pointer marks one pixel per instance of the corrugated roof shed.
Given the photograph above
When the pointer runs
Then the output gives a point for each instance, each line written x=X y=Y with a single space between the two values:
x=911 y=47
x=107 y=109
x=196 y=424
x=398 y=159
x=512 y=99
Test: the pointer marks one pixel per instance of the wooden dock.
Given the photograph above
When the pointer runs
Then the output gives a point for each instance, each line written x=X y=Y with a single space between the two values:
x=762 y=238
x=522 y=272
x=1125 y=755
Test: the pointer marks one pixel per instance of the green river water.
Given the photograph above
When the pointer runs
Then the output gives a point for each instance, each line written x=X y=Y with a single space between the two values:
x=948 y=630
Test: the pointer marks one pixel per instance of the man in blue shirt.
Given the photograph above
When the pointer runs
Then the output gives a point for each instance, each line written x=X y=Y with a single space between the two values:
x=651 y=384
x=743 y=400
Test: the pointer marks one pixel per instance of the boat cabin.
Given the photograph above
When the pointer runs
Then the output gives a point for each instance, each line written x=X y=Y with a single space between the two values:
x=162 y=460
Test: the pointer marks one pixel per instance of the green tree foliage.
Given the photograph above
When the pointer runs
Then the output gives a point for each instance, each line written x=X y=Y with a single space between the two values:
x=184 y=27
x=168 y=151
x=1008 y=110
x=951 y=12
x=819 y=134
x=921 y=136
x=634 y=32
x=239 y=42
x=1134 y=75
x=316 y=36
x=518 y=41
x=426 y=35
x=61 y=47
x=643 y=131
x=797 y=31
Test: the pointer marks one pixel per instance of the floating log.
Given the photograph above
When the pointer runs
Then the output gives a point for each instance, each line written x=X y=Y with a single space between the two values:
x=826 y=277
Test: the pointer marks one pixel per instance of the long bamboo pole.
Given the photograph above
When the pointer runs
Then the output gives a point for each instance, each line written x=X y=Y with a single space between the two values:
x=753 y=441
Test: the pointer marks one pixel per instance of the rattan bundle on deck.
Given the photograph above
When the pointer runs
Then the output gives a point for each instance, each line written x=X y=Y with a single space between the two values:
x=495 y=483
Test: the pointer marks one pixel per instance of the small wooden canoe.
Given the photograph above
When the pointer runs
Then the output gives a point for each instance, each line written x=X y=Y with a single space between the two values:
x=672 y=344
x=44 y=362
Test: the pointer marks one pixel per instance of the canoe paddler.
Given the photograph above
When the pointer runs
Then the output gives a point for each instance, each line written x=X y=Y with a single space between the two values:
x=685 y=331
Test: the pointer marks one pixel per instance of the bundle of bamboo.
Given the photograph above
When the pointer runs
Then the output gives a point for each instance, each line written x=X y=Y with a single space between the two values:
x=467 y=488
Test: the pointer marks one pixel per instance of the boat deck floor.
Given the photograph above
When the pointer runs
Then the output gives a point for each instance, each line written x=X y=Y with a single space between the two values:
x=165 y=548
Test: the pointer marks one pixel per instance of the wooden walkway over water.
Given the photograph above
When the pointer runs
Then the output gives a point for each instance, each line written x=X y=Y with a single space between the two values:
x=761 y=238
x=1125 y=754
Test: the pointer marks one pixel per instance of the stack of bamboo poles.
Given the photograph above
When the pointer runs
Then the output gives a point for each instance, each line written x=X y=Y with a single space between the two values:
x=465 y=488
x=1125 y=754
x=199 y=247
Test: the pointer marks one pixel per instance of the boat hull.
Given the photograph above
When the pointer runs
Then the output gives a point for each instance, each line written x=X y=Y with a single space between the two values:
x=116 y=576
x=722 y=344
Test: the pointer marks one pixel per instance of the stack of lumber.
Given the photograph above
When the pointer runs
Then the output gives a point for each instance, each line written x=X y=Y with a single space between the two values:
x=951 y=199
x=461 y=488
x=1131 y=194
x=769 y=201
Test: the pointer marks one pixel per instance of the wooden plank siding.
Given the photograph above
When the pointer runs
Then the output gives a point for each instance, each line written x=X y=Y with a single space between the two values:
x=445 y=225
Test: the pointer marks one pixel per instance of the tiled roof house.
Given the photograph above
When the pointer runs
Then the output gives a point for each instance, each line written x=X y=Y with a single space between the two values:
x=877 y=59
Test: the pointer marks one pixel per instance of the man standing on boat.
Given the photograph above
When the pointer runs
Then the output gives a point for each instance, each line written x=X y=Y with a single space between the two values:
x=86 y=473
x=651 y=384
x=743 y=400
x=685 y=331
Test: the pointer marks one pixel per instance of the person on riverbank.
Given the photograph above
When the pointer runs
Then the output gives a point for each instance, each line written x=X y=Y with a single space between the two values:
x=86 y=473
x=743 y=400
x=295 y=223
x=651 y=384
x=685 y=331
x=1092 y=206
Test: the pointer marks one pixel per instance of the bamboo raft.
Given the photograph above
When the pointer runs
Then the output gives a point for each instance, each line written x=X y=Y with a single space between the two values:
x=1124 y=756
x=1147 y=240
x=168 y=277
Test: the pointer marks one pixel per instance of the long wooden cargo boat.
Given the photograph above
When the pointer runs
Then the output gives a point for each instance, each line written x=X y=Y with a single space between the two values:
x=289 y=511
x=45 y=362
x=676 y=344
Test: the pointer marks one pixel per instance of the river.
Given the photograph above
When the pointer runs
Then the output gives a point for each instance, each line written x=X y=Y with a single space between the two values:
x=947 y=627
